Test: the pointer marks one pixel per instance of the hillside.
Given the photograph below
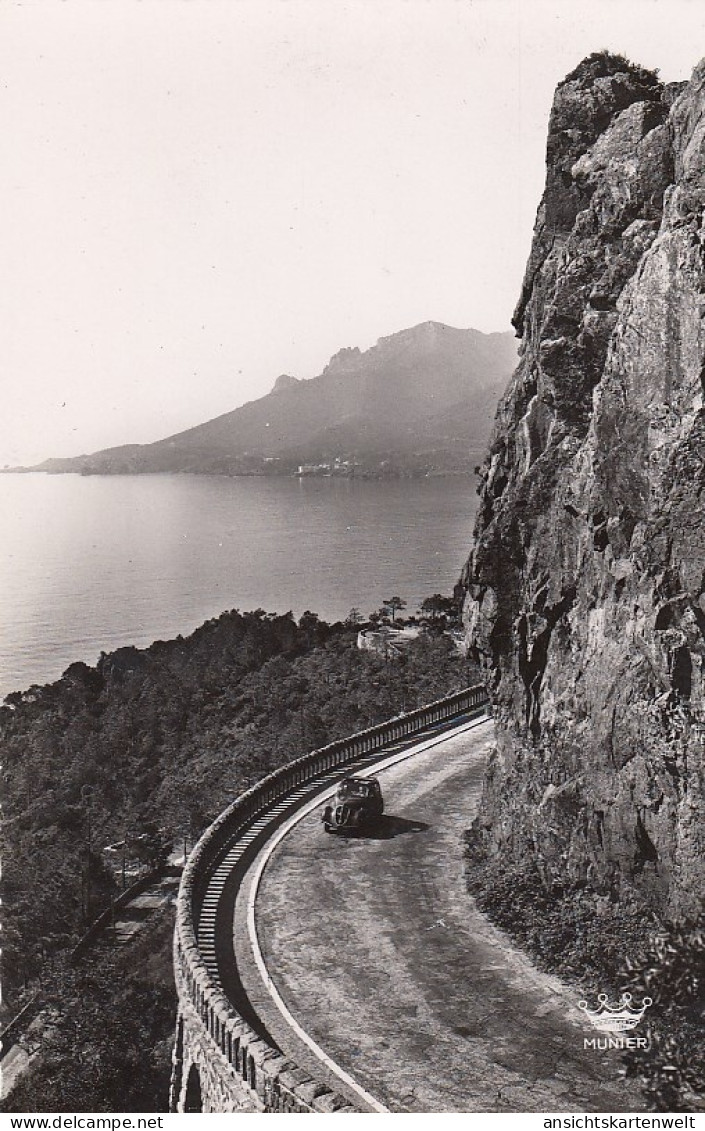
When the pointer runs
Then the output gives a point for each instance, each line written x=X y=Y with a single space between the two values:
x=151 y=744
x=419 y=401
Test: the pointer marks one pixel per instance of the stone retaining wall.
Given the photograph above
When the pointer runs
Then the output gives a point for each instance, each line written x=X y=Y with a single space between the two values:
x=220 y=1063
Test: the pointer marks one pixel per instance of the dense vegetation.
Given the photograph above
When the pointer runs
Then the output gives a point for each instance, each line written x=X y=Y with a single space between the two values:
x=150 y=745
x=106 y=1032
x=602 y=64
x=618 y=945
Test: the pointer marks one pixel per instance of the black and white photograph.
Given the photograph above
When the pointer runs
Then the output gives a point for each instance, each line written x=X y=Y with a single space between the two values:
x=352 y=576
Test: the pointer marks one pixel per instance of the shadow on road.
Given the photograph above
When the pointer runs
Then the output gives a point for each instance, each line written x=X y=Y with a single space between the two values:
x=387 y=827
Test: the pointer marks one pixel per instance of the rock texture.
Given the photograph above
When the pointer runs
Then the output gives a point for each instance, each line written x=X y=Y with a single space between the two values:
x=585 y=591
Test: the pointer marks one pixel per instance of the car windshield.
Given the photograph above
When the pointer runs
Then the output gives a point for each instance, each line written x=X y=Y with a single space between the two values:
x=354 y=789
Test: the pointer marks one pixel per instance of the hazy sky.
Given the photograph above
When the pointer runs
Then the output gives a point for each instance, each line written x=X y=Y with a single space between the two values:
x=199 y=195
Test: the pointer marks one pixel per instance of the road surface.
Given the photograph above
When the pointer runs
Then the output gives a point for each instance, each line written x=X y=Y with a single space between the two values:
x=382 y=957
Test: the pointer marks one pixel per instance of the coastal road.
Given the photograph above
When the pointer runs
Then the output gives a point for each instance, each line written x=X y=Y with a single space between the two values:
x=383 y=959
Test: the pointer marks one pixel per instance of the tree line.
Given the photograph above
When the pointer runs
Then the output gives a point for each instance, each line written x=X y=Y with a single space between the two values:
x=147 y=746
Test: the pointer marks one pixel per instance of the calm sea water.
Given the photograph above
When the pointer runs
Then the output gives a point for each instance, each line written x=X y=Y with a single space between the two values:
x=93 y=563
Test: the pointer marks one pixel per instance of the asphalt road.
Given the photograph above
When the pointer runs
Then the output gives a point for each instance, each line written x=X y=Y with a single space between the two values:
x=383 y=959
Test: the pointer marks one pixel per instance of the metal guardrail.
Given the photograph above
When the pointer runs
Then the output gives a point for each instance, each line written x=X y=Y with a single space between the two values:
x=19 y=1023
x=262 y=1068
x=16 y=1027
x=107 y=915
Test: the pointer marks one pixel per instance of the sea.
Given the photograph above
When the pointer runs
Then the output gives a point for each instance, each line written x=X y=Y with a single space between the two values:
x=93 y=563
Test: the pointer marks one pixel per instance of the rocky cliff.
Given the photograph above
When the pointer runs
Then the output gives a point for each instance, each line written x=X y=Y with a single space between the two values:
x=585 y=591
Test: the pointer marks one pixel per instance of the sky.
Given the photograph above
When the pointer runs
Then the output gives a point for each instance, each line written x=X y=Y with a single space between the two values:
x=199 y=195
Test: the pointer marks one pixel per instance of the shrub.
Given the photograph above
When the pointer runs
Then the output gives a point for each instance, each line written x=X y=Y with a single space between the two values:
x=670 y=969
x=593 y=939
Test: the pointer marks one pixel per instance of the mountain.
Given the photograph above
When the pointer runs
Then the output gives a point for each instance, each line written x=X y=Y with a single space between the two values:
x=419 y=401
x=585 y=590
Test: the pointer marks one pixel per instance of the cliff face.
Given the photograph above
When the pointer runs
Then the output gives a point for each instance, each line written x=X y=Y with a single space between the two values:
x=585 y=592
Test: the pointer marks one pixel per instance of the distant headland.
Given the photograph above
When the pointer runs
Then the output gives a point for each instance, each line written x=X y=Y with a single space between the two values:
x=420 y=402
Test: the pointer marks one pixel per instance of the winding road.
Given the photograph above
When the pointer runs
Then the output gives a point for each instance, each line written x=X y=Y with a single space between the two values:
x=383 y=960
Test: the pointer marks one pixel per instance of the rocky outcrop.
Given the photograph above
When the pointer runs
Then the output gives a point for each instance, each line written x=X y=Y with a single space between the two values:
x=585 y=591
x=285 y=382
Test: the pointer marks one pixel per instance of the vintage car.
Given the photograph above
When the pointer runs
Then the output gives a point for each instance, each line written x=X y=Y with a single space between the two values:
x=357 y=801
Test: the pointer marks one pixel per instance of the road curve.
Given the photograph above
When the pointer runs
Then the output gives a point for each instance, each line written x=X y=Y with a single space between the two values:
x=383 y=960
